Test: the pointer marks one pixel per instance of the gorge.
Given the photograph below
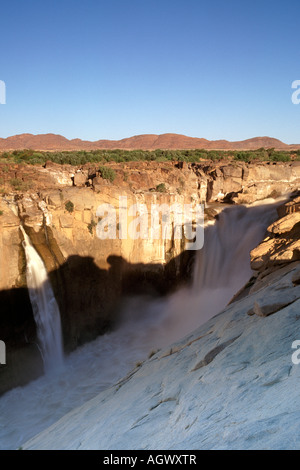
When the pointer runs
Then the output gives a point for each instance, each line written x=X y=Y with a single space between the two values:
x=142 y=297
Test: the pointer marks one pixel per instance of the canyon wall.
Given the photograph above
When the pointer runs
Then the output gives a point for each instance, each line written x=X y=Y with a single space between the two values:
x=57 y=205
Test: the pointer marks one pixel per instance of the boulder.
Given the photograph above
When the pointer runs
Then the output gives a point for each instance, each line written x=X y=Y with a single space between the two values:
x=80 y=179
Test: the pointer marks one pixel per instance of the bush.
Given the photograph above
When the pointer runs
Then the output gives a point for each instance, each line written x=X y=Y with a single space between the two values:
x=1 y=212
x=280 y=157
x=20 y=185
x=69 y=206
x=107 y=173
x=91 y=226
x=161 y=188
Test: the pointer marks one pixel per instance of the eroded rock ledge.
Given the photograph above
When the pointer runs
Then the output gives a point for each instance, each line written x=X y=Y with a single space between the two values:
x=281 y=246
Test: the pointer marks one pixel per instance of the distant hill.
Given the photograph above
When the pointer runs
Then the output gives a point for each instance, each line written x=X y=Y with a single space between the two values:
x=145 y=142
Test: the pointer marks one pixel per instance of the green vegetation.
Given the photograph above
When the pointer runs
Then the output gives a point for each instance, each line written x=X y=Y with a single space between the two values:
x=263 y=155
x=80 y=157
x=107 y=173
x=161 y=188
x=20 y=185
x=1 y=212
x=91 y=226
x=69 y=206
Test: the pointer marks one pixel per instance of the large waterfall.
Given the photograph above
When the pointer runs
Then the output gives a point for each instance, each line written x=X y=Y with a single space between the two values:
x=44 y=306
x=222 y=267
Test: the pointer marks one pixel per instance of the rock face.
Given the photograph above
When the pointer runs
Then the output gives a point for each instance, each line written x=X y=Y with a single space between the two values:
x=232 y=384
x=243 y=183
x=57 y=205
x=89 y=275
x=282 y=244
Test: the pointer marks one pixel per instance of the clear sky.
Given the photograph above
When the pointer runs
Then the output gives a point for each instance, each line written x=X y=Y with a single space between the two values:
x=111 y=69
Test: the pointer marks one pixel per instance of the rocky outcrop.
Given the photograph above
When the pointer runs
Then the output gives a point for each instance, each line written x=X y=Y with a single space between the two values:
x=230 y=182
x=245 y=183
x=282 y=243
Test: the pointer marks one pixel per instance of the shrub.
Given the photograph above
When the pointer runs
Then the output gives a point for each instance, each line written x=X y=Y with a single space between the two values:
x=20 y=185
x=280 y=157
x=69 y=206
x=161 y=188
x=91 y=226
x=107 y=173
x=1 y=212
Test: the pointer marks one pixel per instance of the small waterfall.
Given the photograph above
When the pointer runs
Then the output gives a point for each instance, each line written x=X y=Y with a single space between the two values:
x=44 y=306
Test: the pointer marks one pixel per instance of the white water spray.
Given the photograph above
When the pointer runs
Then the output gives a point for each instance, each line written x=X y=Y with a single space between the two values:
x=45 y=309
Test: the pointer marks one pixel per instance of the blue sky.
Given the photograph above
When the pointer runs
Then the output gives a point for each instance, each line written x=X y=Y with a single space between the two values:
x=113 y=69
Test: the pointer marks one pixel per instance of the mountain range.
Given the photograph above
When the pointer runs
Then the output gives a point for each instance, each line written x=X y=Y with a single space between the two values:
x=52 y=142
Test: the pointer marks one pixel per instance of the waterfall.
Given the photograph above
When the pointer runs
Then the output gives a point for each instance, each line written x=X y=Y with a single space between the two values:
x=222 y=267
x=45 y=309
x=224 y=261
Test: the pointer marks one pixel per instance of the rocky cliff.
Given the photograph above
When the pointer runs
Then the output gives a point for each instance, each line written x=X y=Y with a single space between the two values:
x=57 y=205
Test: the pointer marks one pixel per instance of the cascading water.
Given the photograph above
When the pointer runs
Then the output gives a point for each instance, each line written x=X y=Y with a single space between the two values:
x=222 y=267
x=45 y=309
